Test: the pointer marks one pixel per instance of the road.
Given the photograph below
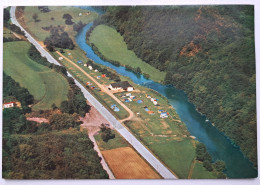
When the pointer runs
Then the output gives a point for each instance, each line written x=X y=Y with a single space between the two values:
x=104 y=89
x=137 y=145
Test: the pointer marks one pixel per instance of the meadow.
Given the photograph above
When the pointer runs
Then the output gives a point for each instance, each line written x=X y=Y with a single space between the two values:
x=44 y=84
x=54 y=18
x=112 y=45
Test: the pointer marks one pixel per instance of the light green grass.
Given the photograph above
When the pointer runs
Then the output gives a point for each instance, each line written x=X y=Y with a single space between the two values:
x=57 y=13
x=117 y=142
x=45 y=85
x=199 y=172
x=178 y=155
x=111 y=44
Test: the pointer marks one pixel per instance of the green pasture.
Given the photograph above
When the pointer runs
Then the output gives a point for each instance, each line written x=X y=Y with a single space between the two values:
x=44 y=84
x=111 y=44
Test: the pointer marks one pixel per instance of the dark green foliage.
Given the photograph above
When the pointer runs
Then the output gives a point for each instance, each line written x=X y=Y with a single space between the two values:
x=201 y=152
x=78 y=26
x=58 y=38
x=35 y=55
x=207 y=51
x=207 y=165
x=44 y=9
x=6 y=16
x=106 y=133
x=220 y=166
x=14 y=122
x=76 y=103
x=35 y=18
x=10 y=39
x=15 y=29
x=64 y=121
x=51 y=156
x=68 y=18
x=12 y=88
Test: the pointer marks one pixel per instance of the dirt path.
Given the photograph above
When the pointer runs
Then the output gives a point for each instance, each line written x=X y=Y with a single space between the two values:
x=92 y=122
x=191 y=169
x=104 y=89
x=38 y=120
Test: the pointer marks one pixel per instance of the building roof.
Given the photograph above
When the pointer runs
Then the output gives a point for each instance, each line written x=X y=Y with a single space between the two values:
x=124 y=85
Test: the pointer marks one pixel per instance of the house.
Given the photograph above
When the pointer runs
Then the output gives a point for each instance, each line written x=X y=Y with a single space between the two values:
x=121 y=86
x=8 y=105
x=11 y=105
x=90 y=67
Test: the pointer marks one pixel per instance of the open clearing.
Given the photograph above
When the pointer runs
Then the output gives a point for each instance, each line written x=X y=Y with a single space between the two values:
x=125 y=163
x=54 y=18
x=44 y=84
x=112 y=45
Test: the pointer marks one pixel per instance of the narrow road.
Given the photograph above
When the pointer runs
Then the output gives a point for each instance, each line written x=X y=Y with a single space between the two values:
x=139 y=147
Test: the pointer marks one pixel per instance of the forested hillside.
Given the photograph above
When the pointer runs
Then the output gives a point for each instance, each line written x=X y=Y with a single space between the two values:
x=208 y=51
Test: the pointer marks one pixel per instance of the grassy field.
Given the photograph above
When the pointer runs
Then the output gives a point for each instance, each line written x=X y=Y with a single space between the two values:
x=45 y=85
x=111 y=44
x=199 y=172
x=117 y=142
x=57 y=12
x=125 y=163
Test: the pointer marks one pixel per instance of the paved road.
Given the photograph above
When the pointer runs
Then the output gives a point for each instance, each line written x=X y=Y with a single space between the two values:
x=142 y=150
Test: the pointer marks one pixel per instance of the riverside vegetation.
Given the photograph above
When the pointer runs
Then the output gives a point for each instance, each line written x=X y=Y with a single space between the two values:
x=208 y=51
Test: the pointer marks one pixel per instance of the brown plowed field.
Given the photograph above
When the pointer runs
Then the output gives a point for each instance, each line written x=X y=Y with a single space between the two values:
x=125 y=163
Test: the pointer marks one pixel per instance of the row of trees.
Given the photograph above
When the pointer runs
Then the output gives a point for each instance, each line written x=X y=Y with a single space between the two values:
x=203 y=156
x=207 y=51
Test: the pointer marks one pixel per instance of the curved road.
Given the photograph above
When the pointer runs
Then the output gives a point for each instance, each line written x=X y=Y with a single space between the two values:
x=142 y=150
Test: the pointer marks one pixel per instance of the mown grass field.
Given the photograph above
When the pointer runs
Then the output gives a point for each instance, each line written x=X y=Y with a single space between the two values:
x=199 y=172
x=117 y=142
x=57 y=12
x=45 y=85
x=111 y=44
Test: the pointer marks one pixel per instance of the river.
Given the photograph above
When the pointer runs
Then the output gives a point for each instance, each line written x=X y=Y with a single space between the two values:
x=219 y=146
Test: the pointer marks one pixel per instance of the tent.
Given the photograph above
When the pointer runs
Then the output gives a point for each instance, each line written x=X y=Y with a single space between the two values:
x=139 y=101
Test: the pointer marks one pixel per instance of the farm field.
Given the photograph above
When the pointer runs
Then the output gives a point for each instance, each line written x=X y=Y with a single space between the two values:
x=45 y=85
x=125 y=163
x=54 y=18
x=111 y=44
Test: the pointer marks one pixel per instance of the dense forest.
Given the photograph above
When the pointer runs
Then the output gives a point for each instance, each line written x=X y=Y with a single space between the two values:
x=207 y=51
x=47 y=150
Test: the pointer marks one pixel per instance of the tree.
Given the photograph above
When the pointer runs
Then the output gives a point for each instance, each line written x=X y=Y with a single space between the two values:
x=138 y=70
x=64 y=121
x=106 y=134
x=207 y=165
x=35 y=17
x=220 y=165
x=6 y=15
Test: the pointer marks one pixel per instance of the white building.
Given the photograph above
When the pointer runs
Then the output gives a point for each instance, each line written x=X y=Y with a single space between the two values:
x=121 y=86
